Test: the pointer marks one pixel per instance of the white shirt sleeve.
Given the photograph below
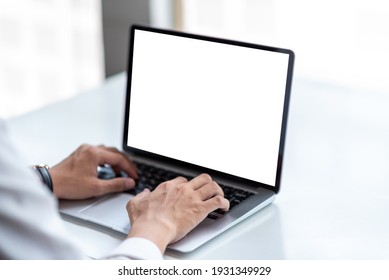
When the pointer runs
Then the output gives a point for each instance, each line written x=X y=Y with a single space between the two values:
x=30 y=226
x=137 y=249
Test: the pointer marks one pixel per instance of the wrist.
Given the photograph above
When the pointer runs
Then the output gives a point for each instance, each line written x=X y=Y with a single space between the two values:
x=158 y=233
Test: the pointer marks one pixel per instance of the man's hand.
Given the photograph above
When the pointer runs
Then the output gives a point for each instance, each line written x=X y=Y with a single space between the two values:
x=174 y=208
x=76 y=176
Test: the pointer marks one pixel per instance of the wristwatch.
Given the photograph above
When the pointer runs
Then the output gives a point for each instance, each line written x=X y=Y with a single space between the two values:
x=43 y=171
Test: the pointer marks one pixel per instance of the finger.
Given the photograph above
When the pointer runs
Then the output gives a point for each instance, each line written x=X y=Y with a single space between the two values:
x=118 y=161
x=115 y=185
x=217 y=202
x=209 y=190
x=142 y=194
x=115 y=150
x=200 y=181
x=138 y=198
x=177 y=181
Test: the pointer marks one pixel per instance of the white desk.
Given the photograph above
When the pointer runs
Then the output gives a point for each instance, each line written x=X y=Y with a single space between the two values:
x=334 y=199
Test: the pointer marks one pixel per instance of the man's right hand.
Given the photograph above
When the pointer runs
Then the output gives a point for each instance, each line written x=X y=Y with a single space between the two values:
x=174 y=208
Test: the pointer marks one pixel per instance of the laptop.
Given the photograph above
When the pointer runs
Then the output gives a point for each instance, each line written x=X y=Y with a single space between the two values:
x=198 y=104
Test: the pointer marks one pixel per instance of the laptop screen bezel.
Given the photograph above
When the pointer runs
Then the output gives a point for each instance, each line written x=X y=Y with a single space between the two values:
x=166 y=160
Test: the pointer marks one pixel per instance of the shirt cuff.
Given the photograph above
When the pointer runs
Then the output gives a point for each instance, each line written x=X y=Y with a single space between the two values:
x=136 y=249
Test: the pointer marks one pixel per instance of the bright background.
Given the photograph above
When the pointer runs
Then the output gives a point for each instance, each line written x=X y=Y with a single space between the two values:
x=51 y=50
x=343 y=42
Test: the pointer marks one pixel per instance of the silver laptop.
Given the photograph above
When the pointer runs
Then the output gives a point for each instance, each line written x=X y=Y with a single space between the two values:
x=195 y=105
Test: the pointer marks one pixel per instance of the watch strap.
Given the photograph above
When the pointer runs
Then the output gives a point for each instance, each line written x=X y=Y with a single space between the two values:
x=43 y=171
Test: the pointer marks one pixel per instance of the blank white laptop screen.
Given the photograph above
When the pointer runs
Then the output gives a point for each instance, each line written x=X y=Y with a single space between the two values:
x=211 y=104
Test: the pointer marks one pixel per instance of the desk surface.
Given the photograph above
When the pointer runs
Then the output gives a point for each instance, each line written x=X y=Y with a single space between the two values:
x=334 y=198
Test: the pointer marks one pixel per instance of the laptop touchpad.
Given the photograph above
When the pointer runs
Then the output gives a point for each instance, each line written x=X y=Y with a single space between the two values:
x=110 y=211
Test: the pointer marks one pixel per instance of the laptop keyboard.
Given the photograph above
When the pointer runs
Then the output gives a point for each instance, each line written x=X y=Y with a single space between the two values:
x=150 y=177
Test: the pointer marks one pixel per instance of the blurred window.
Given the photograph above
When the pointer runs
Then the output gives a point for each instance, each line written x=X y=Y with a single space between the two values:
x=49 y=50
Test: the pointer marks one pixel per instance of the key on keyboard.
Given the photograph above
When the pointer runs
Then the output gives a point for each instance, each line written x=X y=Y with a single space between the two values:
x=150 y=177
